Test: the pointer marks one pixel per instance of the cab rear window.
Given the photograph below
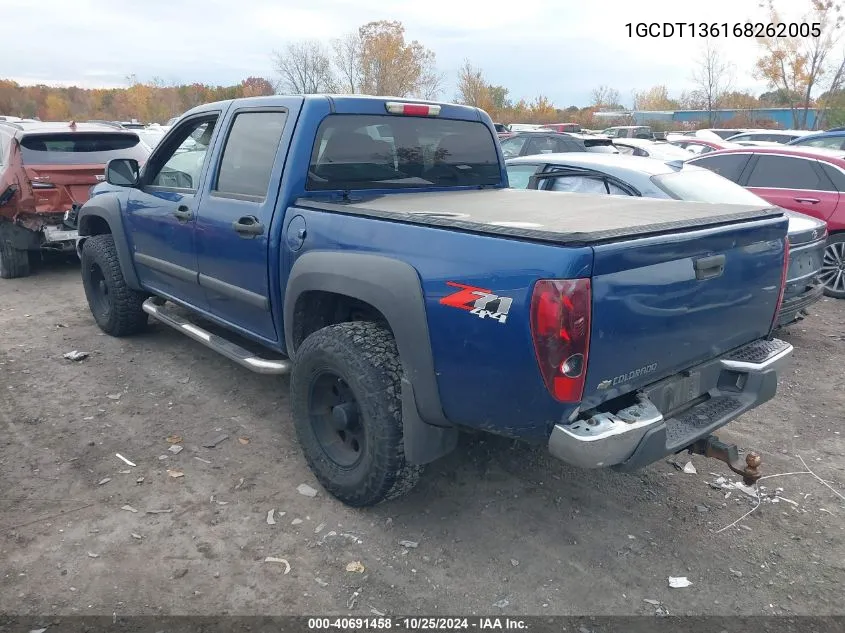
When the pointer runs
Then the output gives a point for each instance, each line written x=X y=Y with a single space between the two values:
x=396 y=152
x=79 y=148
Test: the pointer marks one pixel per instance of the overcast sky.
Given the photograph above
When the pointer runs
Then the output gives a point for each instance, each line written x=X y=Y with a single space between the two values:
x=561 y=48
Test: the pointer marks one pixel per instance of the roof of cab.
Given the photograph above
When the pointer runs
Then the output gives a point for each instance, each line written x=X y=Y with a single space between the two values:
x=339 y=99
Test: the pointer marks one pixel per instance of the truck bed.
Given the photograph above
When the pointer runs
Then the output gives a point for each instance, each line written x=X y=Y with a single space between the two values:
x=568 y=219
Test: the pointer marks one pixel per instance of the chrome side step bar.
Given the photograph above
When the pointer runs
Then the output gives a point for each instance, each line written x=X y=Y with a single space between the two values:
x=243 y=357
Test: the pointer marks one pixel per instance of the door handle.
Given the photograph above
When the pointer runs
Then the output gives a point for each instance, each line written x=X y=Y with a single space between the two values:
x=709 y=267
x=808 y=200
x=183 y=213
x=248 y=226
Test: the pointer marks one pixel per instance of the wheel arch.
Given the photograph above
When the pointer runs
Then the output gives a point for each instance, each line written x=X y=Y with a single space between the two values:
x=390 y=290
x=100 y=216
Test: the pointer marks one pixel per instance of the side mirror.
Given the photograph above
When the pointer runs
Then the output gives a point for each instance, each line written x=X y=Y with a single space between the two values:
x=123 y=172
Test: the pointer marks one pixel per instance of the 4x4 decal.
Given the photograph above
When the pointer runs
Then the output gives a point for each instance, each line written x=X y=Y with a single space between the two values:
x=478 y=301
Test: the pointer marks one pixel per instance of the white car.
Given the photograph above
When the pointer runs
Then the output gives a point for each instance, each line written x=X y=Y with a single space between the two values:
x=660 y=150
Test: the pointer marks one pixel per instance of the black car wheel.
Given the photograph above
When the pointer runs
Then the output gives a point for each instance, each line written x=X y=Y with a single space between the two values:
x=116 y=307
x=14 y=262
x=833 y=266
x=345 y=400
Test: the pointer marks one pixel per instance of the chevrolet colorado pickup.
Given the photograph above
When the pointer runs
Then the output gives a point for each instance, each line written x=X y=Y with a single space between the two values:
x=370 y=247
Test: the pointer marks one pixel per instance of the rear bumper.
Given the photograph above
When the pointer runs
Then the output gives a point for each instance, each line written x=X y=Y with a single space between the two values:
x=793 y=307
x=719 y=391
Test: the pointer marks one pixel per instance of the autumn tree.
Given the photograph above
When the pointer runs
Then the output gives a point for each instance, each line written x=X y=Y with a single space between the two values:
x=712 y=77
x=802 y=65
x=346 y=55
x=655 y=98
x=55 y=108
x=391 y=66
x=304 y=68
x=691 y=100
x=605 y=98
x=256 y=87
x=473 y=89
x=739 y=100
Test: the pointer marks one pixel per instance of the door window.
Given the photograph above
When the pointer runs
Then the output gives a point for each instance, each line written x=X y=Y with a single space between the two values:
x=179 y=165
x=835 y=175
x=249 y=154
x=542 y=145
x=830 y=142
x=512 y=146
x=780 y=172
x=520 y=175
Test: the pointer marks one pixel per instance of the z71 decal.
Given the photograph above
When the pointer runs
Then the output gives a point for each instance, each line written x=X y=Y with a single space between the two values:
x=478 y=301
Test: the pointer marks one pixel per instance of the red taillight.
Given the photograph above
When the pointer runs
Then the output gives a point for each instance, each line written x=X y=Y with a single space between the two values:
x=560 y=327
x=783 y=274
x=412 y=109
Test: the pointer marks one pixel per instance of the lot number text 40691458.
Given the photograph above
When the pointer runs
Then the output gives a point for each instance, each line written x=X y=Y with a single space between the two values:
x=723 y=29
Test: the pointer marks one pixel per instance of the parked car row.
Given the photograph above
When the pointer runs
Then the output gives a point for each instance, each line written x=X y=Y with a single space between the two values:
x=639 y=176
x=816 y=259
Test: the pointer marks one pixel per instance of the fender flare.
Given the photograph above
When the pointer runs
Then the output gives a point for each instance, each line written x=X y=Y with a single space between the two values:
x=107 y=207
x=393 y=288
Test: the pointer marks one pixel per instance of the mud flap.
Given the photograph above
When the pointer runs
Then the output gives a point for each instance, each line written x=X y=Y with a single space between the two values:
x=424 y=443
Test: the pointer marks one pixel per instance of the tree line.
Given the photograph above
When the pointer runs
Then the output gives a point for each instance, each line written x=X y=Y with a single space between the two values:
x=801 y=73
x=151 y=101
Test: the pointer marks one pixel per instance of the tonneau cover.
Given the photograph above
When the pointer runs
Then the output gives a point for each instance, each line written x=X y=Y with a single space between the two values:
x=549 y=216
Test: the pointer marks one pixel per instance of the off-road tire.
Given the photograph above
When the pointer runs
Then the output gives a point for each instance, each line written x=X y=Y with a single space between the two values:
x=118 y=312
x=364 y=355
x=834 y=252
x=14 y=262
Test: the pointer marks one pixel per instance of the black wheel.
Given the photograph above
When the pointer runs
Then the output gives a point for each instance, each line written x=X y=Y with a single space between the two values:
x=116 y=307
x=345 y=398
x=833 y=266
x=14 y=262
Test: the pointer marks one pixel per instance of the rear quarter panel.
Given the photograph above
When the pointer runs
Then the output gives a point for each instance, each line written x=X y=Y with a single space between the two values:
x=486 y=370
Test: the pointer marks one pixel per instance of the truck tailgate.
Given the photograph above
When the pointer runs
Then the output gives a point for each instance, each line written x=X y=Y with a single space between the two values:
x=665 y=303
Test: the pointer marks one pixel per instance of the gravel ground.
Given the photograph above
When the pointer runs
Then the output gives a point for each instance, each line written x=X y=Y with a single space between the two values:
x=494 y=528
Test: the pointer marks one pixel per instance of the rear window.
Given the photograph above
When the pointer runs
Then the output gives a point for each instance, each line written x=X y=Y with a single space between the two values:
x=725 y=134
x=80 y=148
x=385 y=152
x=702 y=185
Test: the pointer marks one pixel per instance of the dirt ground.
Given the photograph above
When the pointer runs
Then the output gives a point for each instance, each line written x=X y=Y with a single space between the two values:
x=500 y=529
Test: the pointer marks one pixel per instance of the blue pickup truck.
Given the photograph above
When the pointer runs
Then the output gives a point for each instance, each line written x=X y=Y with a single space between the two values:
x=370 y=247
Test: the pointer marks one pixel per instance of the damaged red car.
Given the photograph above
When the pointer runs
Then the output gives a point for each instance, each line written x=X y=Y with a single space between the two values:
x=46 y=171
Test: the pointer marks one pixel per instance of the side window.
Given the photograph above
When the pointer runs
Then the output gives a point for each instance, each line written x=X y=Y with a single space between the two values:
x=586 y=184
x=564 y=144
x=831 y=142
x=836 y=176
x=729 y=165
x=615 y=190
x=695 y=149
x=180 y=164
x=541 y=145
x=781 y=172
x=512 y=146
x=519 y=175
x=249 y=154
